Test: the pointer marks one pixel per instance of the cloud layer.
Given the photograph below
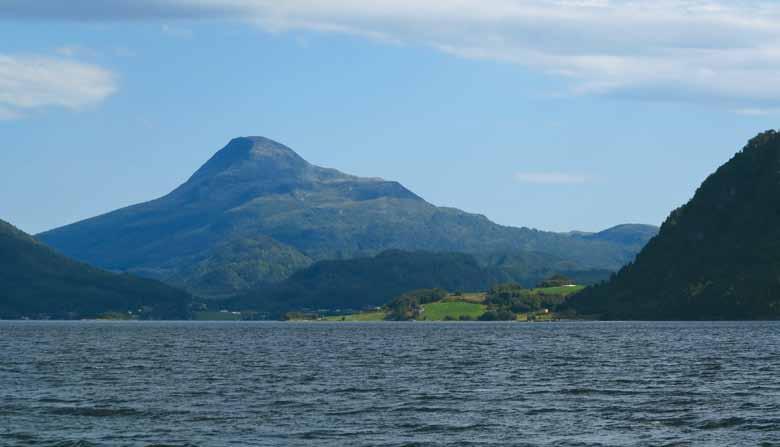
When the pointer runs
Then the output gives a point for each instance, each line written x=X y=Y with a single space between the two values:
x=724 y=51
x=30 y=82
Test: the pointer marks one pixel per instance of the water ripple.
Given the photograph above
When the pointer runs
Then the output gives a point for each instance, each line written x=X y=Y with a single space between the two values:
x=90 y=384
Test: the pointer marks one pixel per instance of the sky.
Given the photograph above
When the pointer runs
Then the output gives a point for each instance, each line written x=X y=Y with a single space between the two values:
x=552 y=114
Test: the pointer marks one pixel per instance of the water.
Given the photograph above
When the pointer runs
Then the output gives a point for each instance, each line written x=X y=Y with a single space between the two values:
x=388 y=384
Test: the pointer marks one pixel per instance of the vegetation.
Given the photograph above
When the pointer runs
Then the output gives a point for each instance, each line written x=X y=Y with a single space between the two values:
x=631 y=236
x=301 y=316
x=257 y=212
x=409 y=306
x=556 y=281
x=717 y=257
x=424 y=305
x=566 y=291
x=366 y=283
x=505 y=302
x=238 y=265
x=346 y=286
x=452 y=310
x=36 y=282
x=518 y=300
x=530 y=268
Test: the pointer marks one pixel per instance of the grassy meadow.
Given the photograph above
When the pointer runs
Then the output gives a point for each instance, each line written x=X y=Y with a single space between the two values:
x=452 y=310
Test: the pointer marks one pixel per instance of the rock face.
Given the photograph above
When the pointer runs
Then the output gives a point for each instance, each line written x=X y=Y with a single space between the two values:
x=257 y=211
x=717 y=257
x=35 y=281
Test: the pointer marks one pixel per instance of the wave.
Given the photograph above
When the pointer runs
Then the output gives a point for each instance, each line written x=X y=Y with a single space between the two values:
x=94 y=412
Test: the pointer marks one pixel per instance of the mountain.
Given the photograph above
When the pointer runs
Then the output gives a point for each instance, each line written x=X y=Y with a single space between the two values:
x=35 y=281
x=257 y=211
x=717 y=257
x=529 y=268
x=362 y=283
x=634 y=236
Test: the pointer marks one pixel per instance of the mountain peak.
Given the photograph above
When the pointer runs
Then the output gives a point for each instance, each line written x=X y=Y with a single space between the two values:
x=256 y=146
x=252 y=155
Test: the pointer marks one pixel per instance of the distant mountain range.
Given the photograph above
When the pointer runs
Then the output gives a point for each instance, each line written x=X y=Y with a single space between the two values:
x=257 y=212
x=631 y=236
x=717 y=257
x=36 y=282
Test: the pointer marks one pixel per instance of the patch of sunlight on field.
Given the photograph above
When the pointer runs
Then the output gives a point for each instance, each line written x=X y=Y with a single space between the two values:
x=452 y=309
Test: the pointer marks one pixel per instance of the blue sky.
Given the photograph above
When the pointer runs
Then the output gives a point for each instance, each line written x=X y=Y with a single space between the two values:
x=552 y=114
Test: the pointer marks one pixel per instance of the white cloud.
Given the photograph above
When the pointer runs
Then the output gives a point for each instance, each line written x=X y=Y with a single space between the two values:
x=725 y=51
x=30 y=82
x=550 y=178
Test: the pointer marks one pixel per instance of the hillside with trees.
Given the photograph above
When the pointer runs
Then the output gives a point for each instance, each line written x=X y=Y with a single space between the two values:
x=503 y=302
x=37 y=282
x=717 y=257
x=363 y=283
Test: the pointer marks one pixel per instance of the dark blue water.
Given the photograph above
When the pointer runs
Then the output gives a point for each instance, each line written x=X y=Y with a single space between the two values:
x=389 y=384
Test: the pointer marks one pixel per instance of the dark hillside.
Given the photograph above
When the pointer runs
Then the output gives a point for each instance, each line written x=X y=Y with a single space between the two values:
x=717 y=257
x=36 y=282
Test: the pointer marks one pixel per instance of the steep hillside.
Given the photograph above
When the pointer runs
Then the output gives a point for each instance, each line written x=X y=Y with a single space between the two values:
x=717 y=257
x=257 y=211
x=37 y=282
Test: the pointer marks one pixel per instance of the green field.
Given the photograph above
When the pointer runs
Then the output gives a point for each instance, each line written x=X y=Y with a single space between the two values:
x=363 y=316
x=438 y=311
x=453 y=309
x=468 y=297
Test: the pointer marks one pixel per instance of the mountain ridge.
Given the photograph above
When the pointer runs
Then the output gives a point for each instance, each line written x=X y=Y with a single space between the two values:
x=255 y=190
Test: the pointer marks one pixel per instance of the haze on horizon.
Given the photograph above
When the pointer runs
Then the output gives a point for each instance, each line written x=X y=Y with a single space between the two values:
x=552 y=114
